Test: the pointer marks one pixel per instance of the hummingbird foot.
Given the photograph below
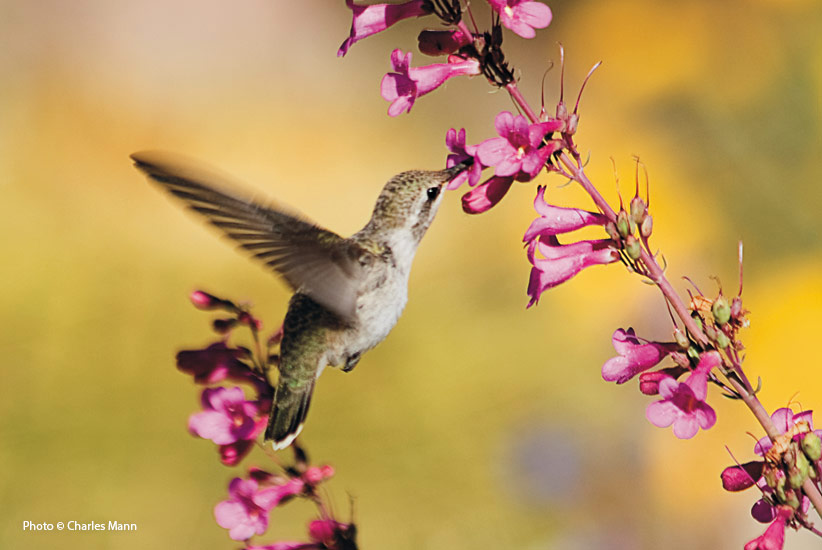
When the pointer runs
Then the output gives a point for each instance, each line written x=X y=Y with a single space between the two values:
x=351 y=362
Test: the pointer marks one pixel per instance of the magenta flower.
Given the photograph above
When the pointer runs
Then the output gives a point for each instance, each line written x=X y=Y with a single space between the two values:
x=784 y=419
x=408 y=83
x=649 y=381
x=227 y=417
x=634 y=356
x=460 y=152
x=214 y=363
x=519 y=152
x=683 y=403
x=522 y=16
x=376 y=18
x=741 y=477
x=555 y=220
x=774 y=536
x=486 y=195
x=442 y=42
x=331 y=534
x=561 y=262
x=246 y=513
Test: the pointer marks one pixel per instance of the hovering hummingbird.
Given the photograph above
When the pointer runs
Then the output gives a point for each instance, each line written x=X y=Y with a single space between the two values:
x=349 y=293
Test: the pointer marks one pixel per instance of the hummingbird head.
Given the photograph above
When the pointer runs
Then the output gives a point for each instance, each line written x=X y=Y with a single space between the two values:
x=408 y=203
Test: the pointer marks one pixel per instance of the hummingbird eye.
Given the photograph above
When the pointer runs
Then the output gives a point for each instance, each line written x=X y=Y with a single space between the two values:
x=432 y=193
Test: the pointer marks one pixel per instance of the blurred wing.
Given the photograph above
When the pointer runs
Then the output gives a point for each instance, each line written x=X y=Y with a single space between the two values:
x=311 y=259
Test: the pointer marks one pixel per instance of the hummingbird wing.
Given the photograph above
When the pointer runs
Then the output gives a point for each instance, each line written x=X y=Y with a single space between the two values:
x=311 y=259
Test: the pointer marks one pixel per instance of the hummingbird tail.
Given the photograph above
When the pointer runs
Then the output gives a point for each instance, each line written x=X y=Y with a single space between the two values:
x=288 y=414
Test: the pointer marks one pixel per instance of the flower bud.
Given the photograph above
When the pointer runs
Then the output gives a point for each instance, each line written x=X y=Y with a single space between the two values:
x=792 y=499
x=710 y=332
x=738 y=478
x=611 y=229
x=774 y=478
x=632 y=247
x=722 y=340
x=721 y=311
x=693 y=354
x=799 y=472
x=221 y=326
x=204 y=300
x=647 y=226
x=623 y=224
x=812 y=446
x=638 y=210
x=681 y=339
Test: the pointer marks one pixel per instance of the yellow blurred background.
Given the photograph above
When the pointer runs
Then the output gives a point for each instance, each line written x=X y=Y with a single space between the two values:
x=476 y=424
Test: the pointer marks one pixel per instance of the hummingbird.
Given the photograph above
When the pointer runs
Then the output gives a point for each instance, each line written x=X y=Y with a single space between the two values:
x=348 y=292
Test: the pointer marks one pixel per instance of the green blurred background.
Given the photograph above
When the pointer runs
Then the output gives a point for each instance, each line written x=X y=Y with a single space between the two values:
x=476 y=424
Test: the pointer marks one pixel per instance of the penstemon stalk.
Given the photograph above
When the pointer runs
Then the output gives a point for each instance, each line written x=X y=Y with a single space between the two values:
x=705 y=342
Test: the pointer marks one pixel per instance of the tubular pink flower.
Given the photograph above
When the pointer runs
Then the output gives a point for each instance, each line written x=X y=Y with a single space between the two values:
x=326 y=531
x=460 y=152
x=774 y=536
x=246 y=513
x=522 y=16
x=561 y=262
x=519 y=152
x=649 y=381
x=784 y=419
x=555 y=220
x=442 y=42
x=213 y=364
x=376 y=18
x=227 y=417
x=683 y=403
x=408 y=83
x=486 y=195
x=634 y=356
x=739 y=478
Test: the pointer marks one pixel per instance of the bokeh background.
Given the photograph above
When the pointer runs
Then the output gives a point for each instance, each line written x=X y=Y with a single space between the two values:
x=477 y=423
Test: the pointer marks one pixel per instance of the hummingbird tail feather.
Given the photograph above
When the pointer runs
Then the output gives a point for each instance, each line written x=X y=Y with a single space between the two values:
x=288 y=414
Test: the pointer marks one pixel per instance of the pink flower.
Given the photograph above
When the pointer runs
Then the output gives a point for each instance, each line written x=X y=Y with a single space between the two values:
x=486 y=195
x=561 y=262
x=214 y=363
x=741 y=477
x=683 y=403
x=774 y=536
x=408 y=83
x=460 y=152
x=227 y=417
x=246 y=512
x=649 y=381
x=784 y=419
x=634 y=356
x=442 y=42
x=376 y=18
x=555 y=220
x=522 y=16
x=519 y=152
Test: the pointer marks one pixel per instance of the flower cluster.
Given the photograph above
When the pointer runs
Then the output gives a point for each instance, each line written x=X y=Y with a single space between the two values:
x=233 y=423
x=789 y=462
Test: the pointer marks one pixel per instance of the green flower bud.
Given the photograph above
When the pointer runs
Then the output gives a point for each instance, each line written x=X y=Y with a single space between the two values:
x=710 y=332
x=632 y=247
x=722 y=340
x=623 y=224
x=721 y=311
x=647 y=226
x=638 y=210
x=772 y=477
x=792 y=499
x=693 y=354
x=812 y=446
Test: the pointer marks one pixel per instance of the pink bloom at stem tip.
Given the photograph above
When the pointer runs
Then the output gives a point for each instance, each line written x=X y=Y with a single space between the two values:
x=785 y=419
x=522 y=16
x=774 y=536
x=683 y=403
x=634 y=356
x=376 y=18
x=519 y=151
x=407 y=83
x=562 y=262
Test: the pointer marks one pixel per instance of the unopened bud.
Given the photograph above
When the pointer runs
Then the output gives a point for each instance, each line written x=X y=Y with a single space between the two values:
x=792 y=499
x=710 y=332
x=721 y=311
x=204 y=300
x=638 y=210
x=611 y=229
x=812 y=446
x=774 y=478
x=681 y=339
x=799 y=472
x=623 y=224
x=221 y=326
x=722 y=340
x=647 y=226
x=632 y=247
x=693 y=354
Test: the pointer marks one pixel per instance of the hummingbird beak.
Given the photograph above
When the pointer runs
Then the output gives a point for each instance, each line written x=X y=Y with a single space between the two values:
x=458 y=169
